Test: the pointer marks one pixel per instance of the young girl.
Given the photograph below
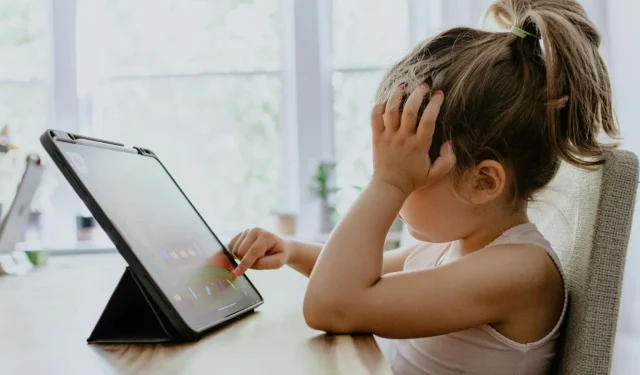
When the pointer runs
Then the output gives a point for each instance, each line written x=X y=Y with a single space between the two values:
x=484 y=292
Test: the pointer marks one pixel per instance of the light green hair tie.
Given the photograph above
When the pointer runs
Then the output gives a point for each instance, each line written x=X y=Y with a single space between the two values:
x=521 y=33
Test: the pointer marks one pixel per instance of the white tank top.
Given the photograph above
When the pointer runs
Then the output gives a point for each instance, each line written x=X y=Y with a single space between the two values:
x=481 y=350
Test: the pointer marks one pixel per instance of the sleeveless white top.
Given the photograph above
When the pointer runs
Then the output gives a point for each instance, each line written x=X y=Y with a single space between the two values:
x=481 y=350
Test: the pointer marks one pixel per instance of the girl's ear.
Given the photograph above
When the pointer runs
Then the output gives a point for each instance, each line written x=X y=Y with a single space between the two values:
x=488 y=181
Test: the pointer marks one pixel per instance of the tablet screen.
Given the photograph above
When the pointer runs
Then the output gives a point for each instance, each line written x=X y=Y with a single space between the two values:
x=167 y=235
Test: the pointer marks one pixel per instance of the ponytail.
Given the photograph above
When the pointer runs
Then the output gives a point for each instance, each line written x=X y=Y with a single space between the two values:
x=578 y=92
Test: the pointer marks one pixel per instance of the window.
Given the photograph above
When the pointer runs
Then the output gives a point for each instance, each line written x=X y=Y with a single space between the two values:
x=24 y=97
x=198 y=83
x=239 y=98
x=364 y=45
x=24 y=63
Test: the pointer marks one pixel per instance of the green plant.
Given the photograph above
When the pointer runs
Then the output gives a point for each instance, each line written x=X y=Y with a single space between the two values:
x=322 y=185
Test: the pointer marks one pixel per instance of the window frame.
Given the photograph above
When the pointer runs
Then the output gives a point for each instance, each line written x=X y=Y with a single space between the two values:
x=423 y=19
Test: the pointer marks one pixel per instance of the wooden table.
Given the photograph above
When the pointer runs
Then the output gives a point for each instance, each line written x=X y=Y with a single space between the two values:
x=46 y=316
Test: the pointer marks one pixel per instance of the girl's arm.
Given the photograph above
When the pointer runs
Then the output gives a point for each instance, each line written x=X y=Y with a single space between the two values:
x=346 y=292
x=489 y=286
x=303 y=257
x=260 y=249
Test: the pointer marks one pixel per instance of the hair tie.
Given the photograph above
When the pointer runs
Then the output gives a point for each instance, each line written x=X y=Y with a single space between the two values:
x=521 y=33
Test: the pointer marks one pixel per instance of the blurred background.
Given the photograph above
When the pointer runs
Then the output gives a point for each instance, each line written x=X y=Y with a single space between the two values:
x=259 y=108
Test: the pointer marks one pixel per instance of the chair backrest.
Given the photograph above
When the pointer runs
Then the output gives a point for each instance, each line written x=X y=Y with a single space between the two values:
x=586 y=215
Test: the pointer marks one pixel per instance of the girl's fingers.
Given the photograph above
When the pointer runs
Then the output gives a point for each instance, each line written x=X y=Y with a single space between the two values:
x=411 y=109
x=269 y=262
x=377 y=123
x=235 y=243
x=444 y=163
x=246 y=243
x=392 y=111
x=428 y=120
x=255 y=252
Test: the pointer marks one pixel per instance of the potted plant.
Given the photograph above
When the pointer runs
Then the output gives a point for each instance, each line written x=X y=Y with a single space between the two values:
x=323 y=188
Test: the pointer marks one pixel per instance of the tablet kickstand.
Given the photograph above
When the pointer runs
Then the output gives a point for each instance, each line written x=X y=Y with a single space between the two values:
x=130 y=316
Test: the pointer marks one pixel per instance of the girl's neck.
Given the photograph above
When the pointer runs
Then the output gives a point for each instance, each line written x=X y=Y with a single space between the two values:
x=486 y=234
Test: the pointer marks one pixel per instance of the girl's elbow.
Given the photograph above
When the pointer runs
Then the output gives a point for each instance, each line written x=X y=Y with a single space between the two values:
x=325 y=315
x=316 y=321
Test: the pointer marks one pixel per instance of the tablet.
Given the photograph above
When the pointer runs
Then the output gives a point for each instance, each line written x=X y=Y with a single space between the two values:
x=170 y=248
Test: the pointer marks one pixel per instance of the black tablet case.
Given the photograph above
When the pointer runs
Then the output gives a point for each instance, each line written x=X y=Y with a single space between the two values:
x=131 y=316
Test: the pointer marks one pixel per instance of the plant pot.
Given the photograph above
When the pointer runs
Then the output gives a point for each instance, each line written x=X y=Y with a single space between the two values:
x=38 y=257
x=286 y=224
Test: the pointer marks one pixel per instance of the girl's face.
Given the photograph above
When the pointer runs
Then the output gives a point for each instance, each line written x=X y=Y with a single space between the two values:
x=451 y=210
x=435 y=214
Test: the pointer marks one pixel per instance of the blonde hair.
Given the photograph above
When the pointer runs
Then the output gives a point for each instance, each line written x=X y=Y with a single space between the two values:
x=529 y=102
